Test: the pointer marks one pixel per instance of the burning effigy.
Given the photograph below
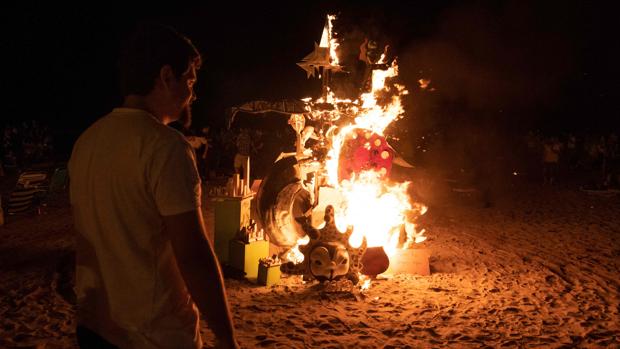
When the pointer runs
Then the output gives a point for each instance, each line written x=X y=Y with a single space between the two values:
x=331 y=206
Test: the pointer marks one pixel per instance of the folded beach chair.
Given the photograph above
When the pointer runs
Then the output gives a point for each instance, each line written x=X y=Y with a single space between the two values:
x=30 y=186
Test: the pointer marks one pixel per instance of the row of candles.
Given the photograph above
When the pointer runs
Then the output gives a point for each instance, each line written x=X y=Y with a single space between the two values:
x=235 y=186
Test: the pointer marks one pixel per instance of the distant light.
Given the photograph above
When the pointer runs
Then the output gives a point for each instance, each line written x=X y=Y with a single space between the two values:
x=514 y=173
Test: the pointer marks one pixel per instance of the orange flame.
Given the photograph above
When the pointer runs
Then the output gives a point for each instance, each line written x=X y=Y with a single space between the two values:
x=328 y=40
x=294 y=255
x=375 y=208
x=365 y=283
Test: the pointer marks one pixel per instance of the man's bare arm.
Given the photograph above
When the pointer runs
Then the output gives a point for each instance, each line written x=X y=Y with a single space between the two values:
x=201 y=272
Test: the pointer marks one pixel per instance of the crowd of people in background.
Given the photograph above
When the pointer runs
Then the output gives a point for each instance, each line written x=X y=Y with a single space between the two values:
x=556 y=156
x=593 y=159
x=593 y=154
x=24 y=145
x=30 y=143
x=223 y=152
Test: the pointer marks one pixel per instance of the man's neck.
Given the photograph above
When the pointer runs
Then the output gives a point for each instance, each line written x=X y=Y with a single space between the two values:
x=144 y=103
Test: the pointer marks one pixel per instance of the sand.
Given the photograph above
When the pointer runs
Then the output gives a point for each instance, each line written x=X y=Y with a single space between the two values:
x=540 y=268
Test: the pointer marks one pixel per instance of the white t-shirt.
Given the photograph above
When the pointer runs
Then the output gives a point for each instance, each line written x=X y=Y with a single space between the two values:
x=127 y=171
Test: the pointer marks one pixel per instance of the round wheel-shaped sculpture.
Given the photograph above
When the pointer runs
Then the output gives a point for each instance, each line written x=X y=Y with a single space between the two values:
x=280 y=199
x=292 y=201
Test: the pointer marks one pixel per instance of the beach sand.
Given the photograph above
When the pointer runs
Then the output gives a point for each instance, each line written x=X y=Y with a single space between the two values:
x=540 y=268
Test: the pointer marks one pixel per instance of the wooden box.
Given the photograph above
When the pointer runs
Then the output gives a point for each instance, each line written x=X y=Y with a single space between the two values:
x=245 y=257
x=410 y=261
x=268 y=275
x=230 y=215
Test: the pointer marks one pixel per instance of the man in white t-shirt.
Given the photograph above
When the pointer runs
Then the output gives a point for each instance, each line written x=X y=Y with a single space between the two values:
x=144 y=264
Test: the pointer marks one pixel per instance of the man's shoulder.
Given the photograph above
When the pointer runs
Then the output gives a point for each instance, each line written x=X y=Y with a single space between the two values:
x=93 y=129
x=136 y=124
x=168 y=136
x=150 y=125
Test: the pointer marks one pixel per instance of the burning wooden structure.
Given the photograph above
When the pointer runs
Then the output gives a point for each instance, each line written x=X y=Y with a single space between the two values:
x=332 y=199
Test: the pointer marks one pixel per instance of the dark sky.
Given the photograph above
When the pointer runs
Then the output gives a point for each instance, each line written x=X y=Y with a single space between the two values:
x=524 y=64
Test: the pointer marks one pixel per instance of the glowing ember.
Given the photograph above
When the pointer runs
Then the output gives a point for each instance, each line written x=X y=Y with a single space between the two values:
x=294 y=255
x=365 y=285
x=424 y=83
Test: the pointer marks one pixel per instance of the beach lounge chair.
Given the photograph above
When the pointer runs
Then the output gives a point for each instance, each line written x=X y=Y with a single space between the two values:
x=30 y=187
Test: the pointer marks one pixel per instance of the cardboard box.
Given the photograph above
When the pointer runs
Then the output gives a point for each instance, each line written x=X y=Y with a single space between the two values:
x=245 y=257
x=410 y=261
x=268 y=275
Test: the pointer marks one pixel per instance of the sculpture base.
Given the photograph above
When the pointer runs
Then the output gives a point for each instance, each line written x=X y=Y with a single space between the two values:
x=410 y=261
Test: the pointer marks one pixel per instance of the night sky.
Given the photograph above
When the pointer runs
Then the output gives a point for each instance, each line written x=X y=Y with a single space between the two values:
x=512 y=64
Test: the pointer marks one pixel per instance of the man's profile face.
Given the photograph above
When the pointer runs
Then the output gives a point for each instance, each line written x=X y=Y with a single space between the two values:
x=184 y=95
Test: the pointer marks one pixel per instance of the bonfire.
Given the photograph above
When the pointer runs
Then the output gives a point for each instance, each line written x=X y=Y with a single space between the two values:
x=332 y=205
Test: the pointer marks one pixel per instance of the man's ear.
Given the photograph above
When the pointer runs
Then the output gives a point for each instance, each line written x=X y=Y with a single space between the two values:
x=166 y=76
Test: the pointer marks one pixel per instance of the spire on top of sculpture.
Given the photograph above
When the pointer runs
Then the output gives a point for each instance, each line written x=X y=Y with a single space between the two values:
x=324 y=54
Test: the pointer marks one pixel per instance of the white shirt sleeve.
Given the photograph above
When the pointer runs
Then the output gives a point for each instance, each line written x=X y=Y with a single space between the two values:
x=174 y=179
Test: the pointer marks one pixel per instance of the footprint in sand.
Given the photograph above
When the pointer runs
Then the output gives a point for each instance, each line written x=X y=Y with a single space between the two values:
x=512 y=310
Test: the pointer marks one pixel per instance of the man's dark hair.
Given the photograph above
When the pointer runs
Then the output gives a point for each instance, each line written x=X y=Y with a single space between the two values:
x=147 y=50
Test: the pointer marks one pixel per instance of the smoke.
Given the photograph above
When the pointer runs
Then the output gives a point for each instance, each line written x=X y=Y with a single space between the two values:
x=497 y=62
x=495 y=70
